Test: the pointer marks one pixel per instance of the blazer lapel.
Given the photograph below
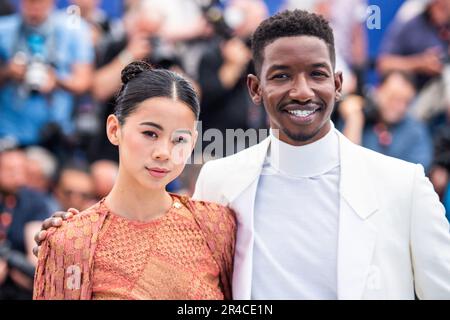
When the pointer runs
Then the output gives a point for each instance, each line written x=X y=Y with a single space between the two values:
x=240 y=193
x=357 y=236
x=246 y=167
x=243 y=257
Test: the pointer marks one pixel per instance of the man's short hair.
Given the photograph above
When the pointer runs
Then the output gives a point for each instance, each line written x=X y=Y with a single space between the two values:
x=291 y=23
x=72 y=165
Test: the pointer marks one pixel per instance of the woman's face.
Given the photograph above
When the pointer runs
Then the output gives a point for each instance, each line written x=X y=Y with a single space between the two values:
x=155 y=141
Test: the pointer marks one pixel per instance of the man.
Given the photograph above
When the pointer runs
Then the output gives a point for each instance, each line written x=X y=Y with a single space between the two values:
x=382 y=122
x=41 y=170
x=75 y=188
x=420 y=46
x=320 y=217
x=45 y=59
x=104 y=174
x=22 y=211
x=323 y=217
x=223 y=71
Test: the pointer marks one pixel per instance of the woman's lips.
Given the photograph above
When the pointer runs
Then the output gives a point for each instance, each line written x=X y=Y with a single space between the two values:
x=158 y=172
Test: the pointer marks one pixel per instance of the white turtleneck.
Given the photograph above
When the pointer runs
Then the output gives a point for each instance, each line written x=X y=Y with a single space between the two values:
x=296 y=221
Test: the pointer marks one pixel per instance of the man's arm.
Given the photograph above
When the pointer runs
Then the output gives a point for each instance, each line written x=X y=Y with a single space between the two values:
x=80 y=79
x=351 y=111
x=430 y=241
x=11 y=70
x=236 y=57
x=428 y=62
x=107 y=79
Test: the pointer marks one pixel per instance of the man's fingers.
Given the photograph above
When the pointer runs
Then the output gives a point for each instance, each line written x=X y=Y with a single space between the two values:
x=67 y=215
x=73 y=211
x=40 y=236
x=51 y=222
x=58 y=214
x=56 y=222
x=36 y=251
x=47 y=223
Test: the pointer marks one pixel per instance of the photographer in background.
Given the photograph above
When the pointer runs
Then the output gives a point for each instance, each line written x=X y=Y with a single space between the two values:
x=383 y=124
x=420 y=46
x=22 y=211
x=224 y=67
x=46 y=58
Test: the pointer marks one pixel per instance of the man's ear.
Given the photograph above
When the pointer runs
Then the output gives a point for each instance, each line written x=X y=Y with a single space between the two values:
x=113 y=129
x=254 y=89
x=338 y=79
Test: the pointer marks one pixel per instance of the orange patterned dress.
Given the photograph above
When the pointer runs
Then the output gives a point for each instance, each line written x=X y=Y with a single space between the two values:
x=185 y=254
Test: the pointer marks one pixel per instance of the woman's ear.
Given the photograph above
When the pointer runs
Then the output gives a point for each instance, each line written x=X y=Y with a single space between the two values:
x=254 y=89
x=113 y=129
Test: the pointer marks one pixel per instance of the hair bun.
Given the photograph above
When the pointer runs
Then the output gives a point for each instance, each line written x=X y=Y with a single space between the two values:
x=132 y=70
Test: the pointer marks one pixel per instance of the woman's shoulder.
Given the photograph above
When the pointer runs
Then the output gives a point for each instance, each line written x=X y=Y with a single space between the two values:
x=66 y=257
x=80 y=228
x=214 y=219
x=212 y=209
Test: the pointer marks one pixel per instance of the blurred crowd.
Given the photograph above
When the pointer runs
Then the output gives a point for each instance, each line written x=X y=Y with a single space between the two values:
x=60 y=71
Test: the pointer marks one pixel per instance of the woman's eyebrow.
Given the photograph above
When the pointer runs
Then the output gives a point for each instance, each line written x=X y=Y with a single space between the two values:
x=152 y=124
x=184 y=131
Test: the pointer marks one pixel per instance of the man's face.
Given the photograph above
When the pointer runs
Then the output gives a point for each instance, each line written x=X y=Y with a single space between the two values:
x=298 y=88
x=75 y=190
x=393 y=98
x=440 y=11
x=12 y=171
x=35 y=12
x=86 y=4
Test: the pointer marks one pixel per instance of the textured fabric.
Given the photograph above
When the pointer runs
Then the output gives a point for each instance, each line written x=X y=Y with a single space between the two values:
x=185 y=254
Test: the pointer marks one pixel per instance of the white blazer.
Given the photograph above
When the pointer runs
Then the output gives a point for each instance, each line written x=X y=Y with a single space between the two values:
x=394 y=239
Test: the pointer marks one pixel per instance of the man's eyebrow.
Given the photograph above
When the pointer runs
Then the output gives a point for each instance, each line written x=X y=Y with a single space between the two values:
x=321 y=65
x=277 y=67
x=152 y=124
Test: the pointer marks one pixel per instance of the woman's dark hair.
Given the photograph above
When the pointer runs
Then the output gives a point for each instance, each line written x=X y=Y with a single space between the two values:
x=141 y=82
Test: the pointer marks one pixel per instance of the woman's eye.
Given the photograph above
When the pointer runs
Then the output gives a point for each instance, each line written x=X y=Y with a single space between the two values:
x=181 y=139
x=150 y=134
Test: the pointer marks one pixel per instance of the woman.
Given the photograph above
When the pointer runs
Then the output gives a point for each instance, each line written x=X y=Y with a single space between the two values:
x=140 y=242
